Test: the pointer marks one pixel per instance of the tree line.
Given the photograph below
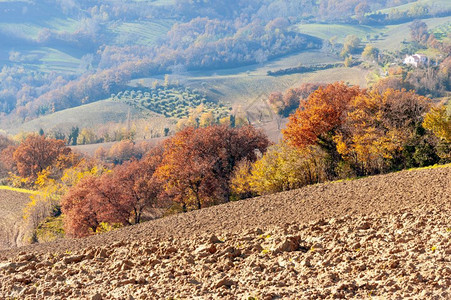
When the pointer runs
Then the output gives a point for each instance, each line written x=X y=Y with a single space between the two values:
x=337 y=132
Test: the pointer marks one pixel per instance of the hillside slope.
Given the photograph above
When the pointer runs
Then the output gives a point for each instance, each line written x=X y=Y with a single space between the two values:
x=11 y=222
x=387 y=236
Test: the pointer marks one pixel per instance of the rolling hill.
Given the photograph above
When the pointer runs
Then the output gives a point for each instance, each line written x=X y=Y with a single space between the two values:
x=12 y=226
x=245 y=88
x=72 y=38
x=386 y=236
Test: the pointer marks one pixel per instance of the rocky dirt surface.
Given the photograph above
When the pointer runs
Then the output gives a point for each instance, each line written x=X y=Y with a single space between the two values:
x=385 y=236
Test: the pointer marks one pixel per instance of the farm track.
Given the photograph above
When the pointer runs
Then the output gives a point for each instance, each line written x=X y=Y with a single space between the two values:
x=387 y=236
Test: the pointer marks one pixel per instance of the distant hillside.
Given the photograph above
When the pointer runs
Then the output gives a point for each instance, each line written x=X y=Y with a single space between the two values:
x=88 y=116
x=62 y=54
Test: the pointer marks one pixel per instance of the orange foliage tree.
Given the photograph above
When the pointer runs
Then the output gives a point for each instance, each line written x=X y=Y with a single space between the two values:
x=379 y=127
x=368 y=132
x=318 y=119
x=123 y=151
x=80 y=207
x=37 y=153
x=7 y=149
x=198 y=163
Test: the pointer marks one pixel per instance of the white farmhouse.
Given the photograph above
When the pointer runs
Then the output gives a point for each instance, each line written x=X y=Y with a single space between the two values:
x=415 y=60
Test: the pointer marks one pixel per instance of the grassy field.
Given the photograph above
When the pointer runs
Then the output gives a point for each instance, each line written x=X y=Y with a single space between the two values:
x=340 y=31
x=85 y=116
x=142 y=33
x=443 y=4
x=395 y=34
x=383 y=37
x=24 y=191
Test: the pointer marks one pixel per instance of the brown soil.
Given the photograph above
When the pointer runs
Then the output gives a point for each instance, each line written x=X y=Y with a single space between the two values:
x=387 y=236
x=12 y=227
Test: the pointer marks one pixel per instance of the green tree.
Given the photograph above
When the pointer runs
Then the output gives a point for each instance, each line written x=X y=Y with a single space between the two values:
x=350 y=46
x=370 y=53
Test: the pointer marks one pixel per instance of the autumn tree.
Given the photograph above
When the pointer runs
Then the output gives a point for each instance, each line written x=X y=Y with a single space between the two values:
x=379 y=130
x=5 y=142
x=117 y=197
x=317 y=119
x=284 y=104
x=86 y=136
x=123 y=151
x=207 y=119
x=438 y=120
x=197 y=163
x=138 y=187
x=7 y=149
x=394 y=82
x=80 y=207
x=282 y=167
x=37 y=153
x=419 y=31
x=348 y=61
x=51 y=187
x=368 y=132
x=240 y=182
x=370 y=53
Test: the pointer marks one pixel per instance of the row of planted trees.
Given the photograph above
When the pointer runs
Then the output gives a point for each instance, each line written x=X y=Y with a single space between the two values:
x=337 y=132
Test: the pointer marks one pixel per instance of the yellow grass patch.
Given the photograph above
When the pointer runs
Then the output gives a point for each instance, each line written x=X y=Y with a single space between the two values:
x=8 y=188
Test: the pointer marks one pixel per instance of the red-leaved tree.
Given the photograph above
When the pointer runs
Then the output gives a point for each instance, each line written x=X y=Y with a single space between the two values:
x=120 y=196
x=198 y=163
x=37 y=153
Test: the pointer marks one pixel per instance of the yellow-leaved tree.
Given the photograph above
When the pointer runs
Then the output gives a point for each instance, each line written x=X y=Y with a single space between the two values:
x=379 y=127
x=283 y=167
x=439 y=122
